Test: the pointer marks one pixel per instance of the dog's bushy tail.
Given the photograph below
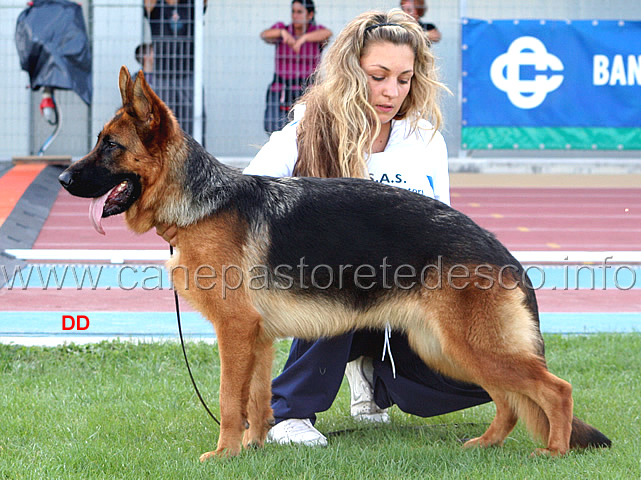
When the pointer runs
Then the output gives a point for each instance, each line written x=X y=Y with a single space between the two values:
x=586 y=436
x=582 y=436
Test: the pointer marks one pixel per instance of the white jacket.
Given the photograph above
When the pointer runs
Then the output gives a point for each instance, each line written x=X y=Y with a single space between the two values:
x=416 y=162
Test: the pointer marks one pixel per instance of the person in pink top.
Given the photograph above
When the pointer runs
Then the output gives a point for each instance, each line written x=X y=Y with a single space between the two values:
x=298 y=51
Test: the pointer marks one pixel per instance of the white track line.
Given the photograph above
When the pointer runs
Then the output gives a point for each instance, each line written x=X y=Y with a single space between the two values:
x=113 y=256
x=122 y=256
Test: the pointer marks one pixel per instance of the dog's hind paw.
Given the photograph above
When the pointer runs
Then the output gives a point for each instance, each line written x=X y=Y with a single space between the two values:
x=546 y=452
x=481 y=442
x=473 y=443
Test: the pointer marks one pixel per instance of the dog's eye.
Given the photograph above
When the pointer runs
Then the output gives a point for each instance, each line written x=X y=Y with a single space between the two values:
x=112 y=145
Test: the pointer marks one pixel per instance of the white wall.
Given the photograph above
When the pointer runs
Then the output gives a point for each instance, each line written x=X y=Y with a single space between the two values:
x=14 y=95
x=238 y=65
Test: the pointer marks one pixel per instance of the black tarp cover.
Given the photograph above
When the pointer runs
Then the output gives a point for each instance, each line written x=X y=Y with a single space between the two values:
x=52 y=43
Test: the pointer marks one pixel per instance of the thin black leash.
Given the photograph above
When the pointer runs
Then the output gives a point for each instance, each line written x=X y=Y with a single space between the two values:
x=182 y=343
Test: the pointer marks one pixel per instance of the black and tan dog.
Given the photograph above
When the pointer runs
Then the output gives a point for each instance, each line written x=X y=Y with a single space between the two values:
x=310 y=258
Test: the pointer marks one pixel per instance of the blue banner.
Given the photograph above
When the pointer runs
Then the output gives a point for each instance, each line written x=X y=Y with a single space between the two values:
x=556 y=76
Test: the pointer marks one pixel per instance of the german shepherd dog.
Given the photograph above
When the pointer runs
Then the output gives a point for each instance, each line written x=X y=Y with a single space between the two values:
x=317 y=258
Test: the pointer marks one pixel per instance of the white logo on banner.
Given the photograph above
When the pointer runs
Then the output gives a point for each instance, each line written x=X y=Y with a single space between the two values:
x=505 y=72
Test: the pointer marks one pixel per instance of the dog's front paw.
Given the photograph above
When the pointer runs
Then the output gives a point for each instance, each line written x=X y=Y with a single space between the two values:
x=256 y=434
x=220 y=453
x=254 y=439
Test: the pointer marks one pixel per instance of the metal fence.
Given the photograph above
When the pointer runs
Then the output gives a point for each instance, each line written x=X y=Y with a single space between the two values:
x=237 y=65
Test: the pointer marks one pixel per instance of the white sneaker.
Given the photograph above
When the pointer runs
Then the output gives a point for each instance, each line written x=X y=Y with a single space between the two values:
x=298 y=431
x=360 y=375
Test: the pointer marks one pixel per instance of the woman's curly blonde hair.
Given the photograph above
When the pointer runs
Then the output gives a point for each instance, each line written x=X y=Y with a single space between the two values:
x=339 y=126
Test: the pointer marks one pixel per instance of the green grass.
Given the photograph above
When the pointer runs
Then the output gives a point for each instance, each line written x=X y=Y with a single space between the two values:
x=118 y=410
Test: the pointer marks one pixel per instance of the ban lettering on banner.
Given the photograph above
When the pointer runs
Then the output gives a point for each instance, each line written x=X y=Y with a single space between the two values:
x=553 y=84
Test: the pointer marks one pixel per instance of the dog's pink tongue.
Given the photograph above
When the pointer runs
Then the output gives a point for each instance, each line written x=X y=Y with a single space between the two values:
x=95 y=212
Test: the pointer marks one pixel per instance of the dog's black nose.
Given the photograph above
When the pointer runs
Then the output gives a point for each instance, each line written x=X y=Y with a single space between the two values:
x=65 y=179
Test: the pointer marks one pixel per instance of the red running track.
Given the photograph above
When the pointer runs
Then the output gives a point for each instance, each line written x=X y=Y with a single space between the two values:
x=87 y=300
x=591 y=219
x=556 y=219
x=523 y=218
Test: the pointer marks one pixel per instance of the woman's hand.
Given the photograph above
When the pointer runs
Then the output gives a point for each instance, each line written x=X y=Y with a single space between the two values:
x=299 y=43
x=168 y=233
x=434 y=35
x=287 y=37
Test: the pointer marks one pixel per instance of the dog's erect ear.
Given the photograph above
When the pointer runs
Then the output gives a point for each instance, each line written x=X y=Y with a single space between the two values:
x=126 y=85
x=142 y=99
x=148 y=108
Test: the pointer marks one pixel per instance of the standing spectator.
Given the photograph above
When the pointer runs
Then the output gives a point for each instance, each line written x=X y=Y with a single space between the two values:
x=417 y=8
x=298 y=51
x=144 y=54
x=172 y=34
